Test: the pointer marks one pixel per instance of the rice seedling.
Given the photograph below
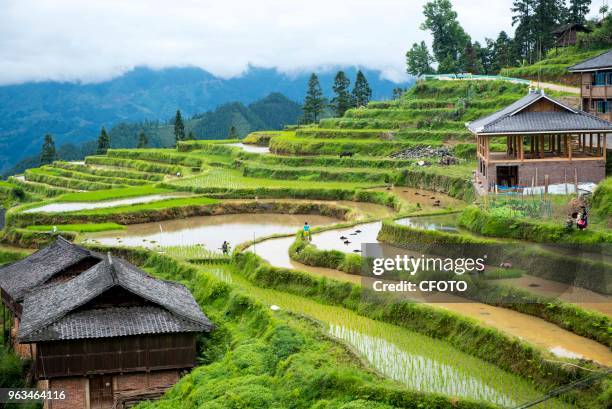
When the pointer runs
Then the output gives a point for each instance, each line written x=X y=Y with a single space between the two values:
x=417 y=361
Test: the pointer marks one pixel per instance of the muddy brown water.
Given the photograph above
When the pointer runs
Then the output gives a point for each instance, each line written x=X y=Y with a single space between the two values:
x=209 y=231
x=575 y=295
x=531 y=329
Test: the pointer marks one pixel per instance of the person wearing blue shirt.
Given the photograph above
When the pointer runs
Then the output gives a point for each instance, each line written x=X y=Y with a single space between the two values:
x=307 y=233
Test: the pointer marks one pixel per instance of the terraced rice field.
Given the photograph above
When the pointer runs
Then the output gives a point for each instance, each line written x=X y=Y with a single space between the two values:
x=304 y=166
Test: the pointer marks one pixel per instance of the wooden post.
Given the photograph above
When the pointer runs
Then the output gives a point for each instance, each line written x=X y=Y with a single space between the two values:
x=576 y=181
x=598 y=144
x=521 y=148
x=536 y=176
x=591 y=143
x=605 y=146
x=545 y=187
x=569 y=147
x=542 y=146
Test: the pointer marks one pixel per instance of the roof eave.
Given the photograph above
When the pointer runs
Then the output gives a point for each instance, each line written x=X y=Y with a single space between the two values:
x=566 y=131
x=571 y=69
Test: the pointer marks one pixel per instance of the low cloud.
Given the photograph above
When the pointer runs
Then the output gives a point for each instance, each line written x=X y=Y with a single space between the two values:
x=94 y=40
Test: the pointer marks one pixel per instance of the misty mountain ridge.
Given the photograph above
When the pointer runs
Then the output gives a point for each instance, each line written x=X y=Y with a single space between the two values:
x=75 y=112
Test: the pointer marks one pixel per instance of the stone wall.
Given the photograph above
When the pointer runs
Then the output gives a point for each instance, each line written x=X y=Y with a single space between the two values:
x=77 y=388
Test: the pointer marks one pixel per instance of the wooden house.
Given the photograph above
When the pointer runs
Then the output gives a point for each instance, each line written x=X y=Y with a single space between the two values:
x=60 y=261
x=567 y=34
x=596 y=84
x=544 y=141
x=110 y=335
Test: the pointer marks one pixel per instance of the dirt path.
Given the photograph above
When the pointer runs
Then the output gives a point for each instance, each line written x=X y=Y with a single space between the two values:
x=556 y=87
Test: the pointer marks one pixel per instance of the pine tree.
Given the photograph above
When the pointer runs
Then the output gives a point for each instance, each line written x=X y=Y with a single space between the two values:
x=471 y=60
x=342 y=101
x=233 y=133
x=398 y=92
x=191 y=136
x=179 y=127
x=418 y=60
x=103 y=142
x=143 y=141
x=535 y=21
x=48 y=154
x=361 y=91
x=315 y=102
x=578 y=10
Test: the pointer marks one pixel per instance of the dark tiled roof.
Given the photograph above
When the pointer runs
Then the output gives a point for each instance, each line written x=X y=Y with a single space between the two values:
x=513 y=119
x=52 y=303
x=23 y=275
x=599 y=62
x=115 y=322
x=564 y=27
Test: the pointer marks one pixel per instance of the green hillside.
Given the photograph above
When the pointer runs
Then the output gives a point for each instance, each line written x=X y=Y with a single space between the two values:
x=553 y=68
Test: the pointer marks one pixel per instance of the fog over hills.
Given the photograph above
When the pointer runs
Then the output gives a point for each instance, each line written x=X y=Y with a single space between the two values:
x=75 y=112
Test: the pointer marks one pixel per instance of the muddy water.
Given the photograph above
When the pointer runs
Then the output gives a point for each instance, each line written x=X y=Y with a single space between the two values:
x=575 y=295
x=276 y=252
x=76 y=206
x=209 y=231
x=419 y=362
x=531 y=329
x=444 y=222
x=250 y=148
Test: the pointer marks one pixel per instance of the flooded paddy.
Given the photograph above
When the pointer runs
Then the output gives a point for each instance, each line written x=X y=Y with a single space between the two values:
x=419 y=362
x=209 y=231
x=77 y=206
x=534 y=330
x=250 y=148
x=576 y=295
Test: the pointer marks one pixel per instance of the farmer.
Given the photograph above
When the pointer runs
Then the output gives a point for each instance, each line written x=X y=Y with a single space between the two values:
x=307 y=233
x=583 y=218
x=225 y=248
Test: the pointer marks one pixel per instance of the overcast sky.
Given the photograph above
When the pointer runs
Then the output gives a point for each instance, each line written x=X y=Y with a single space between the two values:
x=94 y=40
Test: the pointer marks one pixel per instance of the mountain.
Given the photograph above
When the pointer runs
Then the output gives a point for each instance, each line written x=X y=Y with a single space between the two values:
x=272 y=112
x=75 y=112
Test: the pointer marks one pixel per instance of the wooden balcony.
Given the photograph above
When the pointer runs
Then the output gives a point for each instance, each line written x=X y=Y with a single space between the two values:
x=596 y=91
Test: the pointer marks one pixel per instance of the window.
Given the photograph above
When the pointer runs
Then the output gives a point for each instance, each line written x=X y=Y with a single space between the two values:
x=603 y=106
x=600 y=78
x=609 y=77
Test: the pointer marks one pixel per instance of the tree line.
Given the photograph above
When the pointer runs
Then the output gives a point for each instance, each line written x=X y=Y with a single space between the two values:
x=455 y=52
x=315 y=103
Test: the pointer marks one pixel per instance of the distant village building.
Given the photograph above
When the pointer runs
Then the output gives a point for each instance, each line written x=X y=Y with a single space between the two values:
x=567 y=34
x=545 y=142
x=596 y=84
x=109 y=336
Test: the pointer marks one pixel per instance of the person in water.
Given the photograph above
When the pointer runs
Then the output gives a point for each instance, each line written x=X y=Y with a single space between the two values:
x=225 y=248
x=307 y=233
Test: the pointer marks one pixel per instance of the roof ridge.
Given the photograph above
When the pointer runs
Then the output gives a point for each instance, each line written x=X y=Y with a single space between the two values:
x=589 y=59
x=62 y=313
x=159 y=302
